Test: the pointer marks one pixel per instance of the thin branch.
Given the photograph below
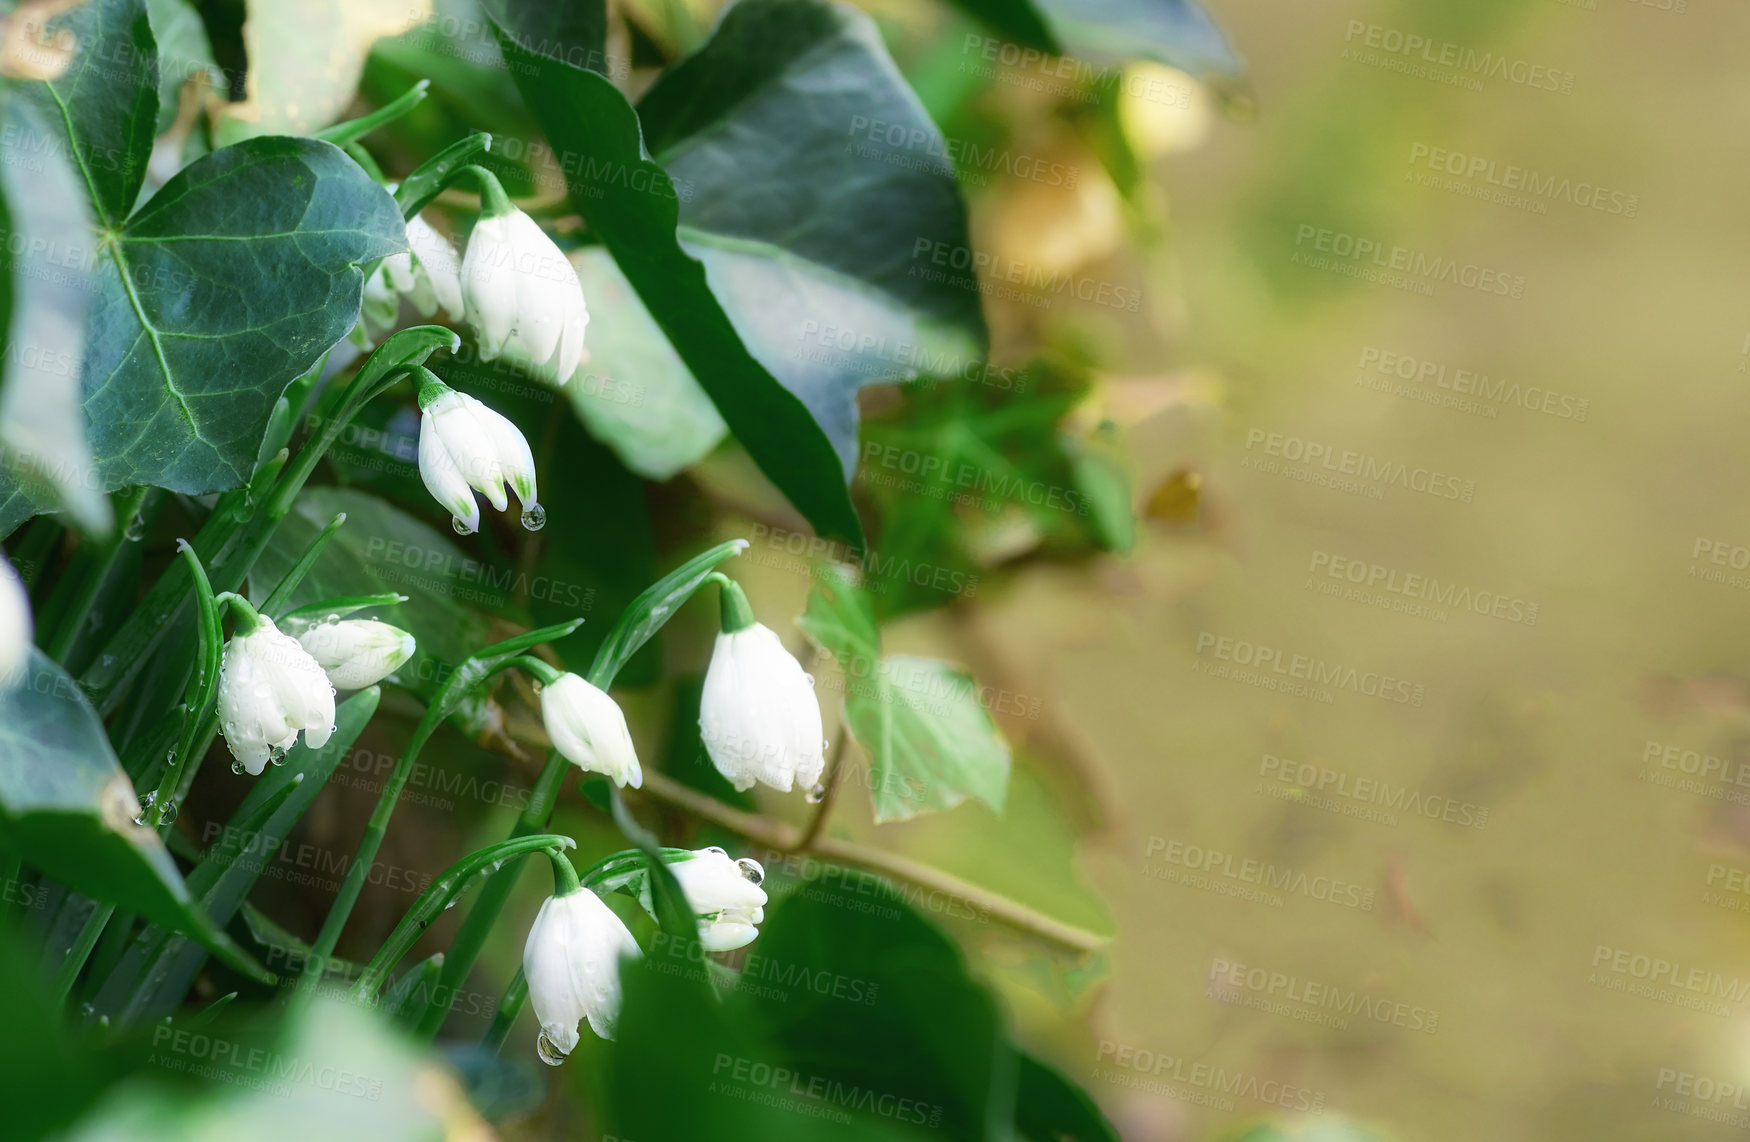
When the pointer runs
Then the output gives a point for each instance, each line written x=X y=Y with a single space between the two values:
x=788 y=838
x=835 y=773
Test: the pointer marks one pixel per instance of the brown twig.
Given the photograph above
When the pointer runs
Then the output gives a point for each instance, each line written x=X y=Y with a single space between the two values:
x=788 y=838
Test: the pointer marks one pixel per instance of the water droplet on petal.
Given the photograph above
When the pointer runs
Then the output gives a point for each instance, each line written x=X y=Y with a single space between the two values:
x=751 y=869
x=810 y=678
x=715 y=851
x=461 y=526
x=550 y=1054
x=236 y=767
x=534 y=517
x=815 y=794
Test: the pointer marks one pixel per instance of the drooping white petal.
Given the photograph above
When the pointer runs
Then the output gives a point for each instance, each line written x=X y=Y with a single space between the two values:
x=269 y=690
x=439 y=269
x=443 y=478
x=15 y=624
x=757 y=714
x=572 y=964
x=589 y=729
x=489 y=284
x=356 y=653
x=724 y=895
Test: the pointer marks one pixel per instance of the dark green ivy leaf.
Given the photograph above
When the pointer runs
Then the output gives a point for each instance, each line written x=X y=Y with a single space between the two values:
x=821 y=199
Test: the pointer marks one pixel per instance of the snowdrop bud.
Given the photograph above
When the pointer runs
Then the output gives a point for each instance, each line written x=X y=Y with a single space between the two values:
x=724 y=894
x=588 y=728
x=521 y=294
x=757 y=714
x=356 y=653
x=269 y=689
x=572 y=965
x=463 y=446
x=15 y=623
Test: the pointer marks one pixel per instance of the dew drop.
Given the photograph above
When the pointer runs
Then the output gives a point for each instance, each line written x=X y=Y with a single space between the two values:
x=534 y=517
x=815 y=794
x=751 y=869
x=715 y=851
x=167 y=814
x=144 y=816
x=461 y=527
x=810 y=678
x=136 y=529
x=332 y=618
x=236 y=767
x=550 y=1054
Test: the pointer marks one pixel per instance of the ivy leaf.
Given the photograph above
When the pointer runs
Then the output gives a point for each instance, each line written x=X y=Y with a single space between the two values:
x=46 y=289
x=930 y=742
x=236 y=276
x=1175 y=32
x=819 y=196
x=67 y=808
x=106 y=100
x=631 y=203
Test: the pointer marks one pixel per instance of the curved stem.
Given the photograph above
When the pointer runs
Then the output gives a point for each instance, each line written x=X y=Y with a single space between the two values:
x=787 y=838
x=835 y=771
x=443 y=893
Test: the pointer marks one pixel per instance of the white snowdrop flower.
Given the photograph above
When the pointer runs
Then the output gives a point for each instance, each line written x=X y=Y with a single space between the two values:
x=521 y=294
x=463 y=446
x=428 y=274
x=356 y=653
x=15 y=623
x=757 y=714
x=588 y=727
x=724 y=894
x=572 y=965
x=269 y=689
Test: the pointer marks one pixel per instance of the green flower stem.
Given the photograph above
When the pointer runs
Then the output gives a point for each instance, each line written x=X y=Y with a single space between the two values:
x=637 y=624
x=565 y=880
x=494 y=203
x=443 y=892
x=544 y=672
x=441 y=708
x=129 y=503
x=80 y=952
x=489 y=904
x=737 y=615
x=508 y=1009
x=343 y=133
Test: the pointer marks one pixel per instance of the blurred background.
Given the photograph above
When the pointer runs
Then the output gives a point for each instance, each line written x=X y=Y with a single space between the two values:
x=1359 y=603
